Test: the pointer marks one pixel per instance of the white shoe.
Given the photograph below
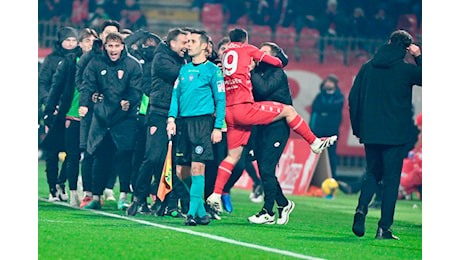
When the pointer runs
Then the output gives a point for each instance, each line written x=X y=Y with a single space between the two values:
x=262 y=218
x=52 y=198
x=320 y=144
x=215 y=202
x=61 y=193
x=74 y=200
x=108 y=195
x=257 y=199
x=284 y=213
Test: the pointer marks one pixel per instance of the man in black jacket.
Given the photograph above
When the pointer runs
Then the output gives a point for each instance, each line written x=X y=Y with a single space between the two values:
x=326 y=115
x=53 y=143
x=270 y=83
x=63 y=103
x=113 y=83
x=380 y=113
x=169 y=58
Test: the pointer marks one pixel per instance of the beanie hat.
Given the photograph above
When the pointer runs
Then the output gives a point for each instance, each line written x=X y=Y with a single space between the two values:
x=67 y=32
x=333 y=78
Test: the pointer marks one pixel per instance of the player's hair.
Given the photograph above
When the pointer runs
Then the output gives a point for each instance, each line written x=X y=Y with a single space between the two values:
x=238 y=35
x=114 y=36
x=85 y=33
x=274 y=48
x=223 y=41
x=173 y=33
x=110 y=23
x=204 y=37
x=401 y=38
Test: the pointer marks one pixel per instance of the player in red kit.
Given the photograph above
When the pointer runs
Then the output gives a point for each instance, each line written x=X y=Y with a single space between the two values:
x=242 y=112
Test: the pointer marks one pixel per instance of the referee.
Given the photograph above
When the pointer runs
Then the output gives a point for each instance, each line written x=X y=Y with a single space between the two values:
x=198 y=93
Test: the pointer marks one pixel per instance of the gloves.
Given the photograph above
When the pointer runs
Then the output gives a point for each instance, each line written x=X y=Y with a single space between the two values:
x=283 y=57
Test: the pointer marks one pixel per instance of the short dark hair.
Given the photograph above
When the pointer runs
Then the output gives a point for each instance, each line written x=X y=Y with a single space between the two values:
x=85 y=33
x=173 y=33
x=115 y=36
x=223 y=41
x=274 y=48
x=110 y=23
x=238 y=35
x=204 y=37
x=401 y=38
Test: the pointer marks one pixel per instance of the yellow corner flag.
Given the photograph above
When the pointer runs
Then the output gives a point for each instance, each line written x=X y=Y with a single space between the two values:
x=165 y=185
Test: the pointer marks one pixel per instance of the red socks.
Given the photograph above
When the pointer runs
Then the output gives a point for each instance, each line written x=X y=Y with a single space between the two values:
x=300 y=126
x=223 y=174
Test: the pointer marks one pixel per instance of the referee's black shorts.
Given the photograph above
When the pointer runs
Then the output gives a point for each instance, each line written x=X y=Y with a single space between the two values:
x=193 y=137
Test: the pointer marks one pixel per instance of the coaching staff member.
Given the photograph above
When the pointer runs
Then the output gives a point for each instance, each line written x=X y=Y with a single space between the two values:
x=380 y=114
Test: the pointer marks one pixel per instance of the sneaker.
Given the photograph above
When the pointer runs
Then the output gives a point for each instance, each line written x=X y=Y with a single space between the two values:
x=85 y=201
x=257 y=193
x=358 y=224
x=122 y=204
x=74 y=200
x=320 y=144
x=262 y=218
x=53 y=198
x=176 y=213
x=385 y=234
x=132 y=209
x=94 y=204
x=144 y=209
x=211 y=212
x=61 y=192
x=227 y=203
x=189 y=221
x=284 y=212
x=214 y=200
x=108 y=195
x=202 y=220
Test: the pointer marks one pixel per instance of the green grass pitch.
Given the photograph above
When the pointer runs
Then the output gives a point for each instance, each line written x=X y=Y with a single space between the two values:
x=318 y=228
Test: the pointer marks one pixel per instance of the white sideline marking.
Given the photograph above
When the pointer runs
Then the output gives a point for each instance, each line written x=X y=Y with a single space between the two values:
x=195 y=233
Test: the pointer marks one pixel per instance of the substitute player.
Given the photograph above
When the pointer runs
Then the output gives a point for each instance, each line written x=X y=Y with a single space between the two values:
x=243 y=112
x=199 y=91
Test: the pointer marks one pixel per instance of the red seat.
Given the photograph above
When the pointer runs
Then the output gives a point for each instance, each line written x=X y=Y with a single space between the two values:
x=260 y=34
x=285 y=38
x=212 y=14
x=308 y=38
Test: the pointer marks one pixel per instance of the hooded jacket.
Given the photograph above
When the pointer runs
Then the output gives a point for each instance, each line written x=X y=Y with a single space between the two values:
x=165 y=69
x=327 y=112
x=381 y=97
x=48 y=69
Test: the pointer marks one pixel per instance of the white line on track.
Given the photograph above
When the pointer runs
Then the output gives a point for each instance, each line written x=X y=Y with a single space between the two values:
x=195 y=233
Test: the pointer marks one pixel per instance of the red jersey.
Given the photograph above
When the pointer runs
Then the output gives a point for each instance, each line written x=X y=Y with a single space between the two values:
x=237 y=76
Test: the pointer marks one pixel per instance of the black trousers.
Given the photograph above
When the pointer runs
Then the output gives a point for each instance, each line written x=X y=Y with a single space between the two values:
x=384 y=163
x=270 y=143
x=87 y=171
x=53 y=175
x=139 y=148
x=155 y=154
x=72 y=148
x=106 y=157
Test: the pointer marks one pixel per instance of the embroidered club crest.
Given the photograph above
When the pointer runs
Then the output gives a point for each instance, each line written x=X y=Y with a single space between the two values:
x=199 y=150
x=120 y=74
x=190 y=77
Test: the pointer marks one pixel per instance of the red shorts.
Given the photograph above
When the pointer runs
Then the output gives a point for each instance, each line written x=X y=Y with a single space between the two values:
x=241 y=117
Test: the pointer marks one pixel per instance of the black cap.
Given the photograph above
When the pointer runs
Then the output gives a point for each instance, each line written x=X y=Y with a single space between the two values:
x=67 y=32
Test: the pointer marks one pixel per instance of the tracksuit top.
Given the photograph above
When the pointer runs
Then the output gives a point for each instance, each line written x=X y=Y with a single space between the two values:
x=199 y=90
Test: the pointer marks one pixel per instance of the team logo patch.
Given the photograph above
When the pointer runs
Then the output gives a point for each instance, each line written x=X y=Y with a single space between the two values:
x=199 y=149
x=103 y=72
x=120 y=74
x=220 y=86
x=277 y=144
x=190 y=77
